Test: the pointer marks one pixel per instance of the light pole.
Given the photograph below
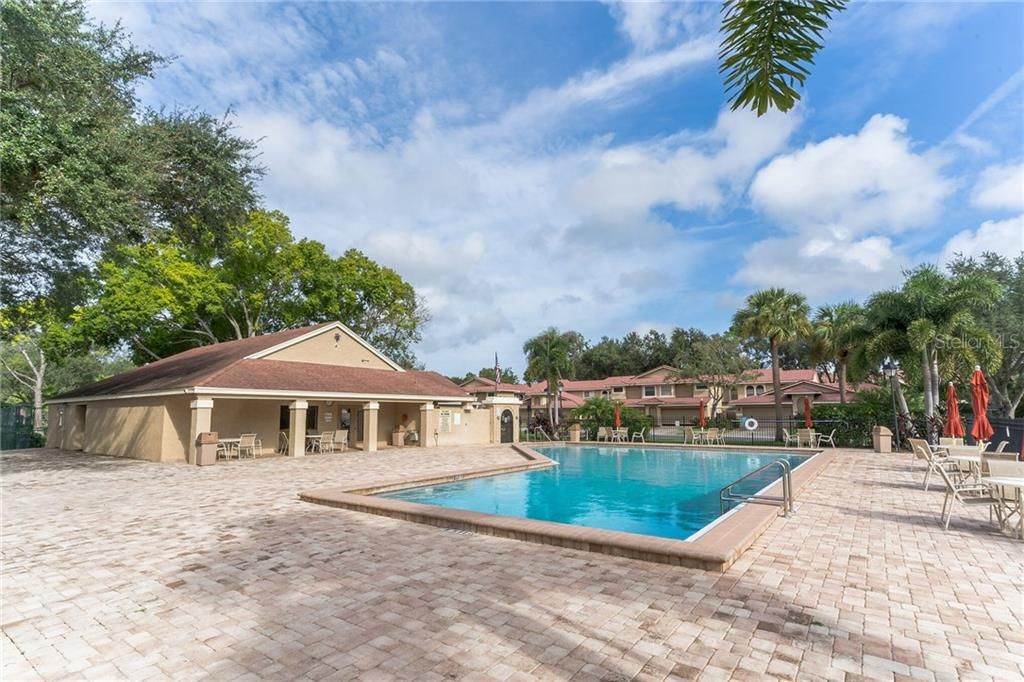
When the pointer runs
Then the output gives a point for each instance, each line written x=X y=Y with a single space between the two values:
x=889 y=369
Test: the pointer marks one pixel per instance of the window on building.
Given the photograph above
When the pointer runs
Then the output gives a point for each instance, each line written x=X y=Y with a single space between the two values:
x=760 y=390
x=649 y=391
x=702 y=387
x=666 y=391
x=750 y=391
x=312 y=418
x=733 y=393
x=618 y=389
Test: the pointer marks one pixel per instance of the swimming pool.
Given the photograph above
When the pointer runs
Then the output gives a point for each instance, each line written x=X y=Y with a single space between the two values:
x=651 y=491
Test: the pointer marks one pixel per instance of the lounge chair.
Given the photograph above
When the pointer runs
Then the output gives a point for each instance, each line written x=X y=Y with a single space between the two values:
x=830 y=439
x=967 y=494
x=249 y=443
x=791 y=438
x=638 y=436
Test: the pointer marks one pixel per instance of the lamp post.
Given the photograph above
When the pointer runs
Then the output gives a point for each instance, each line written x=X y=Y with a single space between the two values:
x=889 y=369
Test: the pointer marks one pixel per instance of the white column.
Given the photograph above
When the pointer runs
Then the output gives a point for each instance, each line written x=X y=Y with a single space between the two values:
x=297 y=428
x=370 y=426
x=428 y=423
x=202 y=417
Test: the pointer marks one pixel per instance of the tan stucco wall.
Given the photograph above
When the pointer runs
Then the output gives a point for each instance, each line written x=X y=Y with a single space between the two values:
x=53 y=426
x=323 y=349
x=231 y=418
x=125 y=428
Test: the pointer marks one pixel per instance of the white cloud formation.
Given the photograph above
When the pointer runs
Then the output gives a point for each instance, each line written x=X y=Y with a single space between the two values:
x=1005 y=237
x=850 y=185
x=1000 y=187
x=650 y=25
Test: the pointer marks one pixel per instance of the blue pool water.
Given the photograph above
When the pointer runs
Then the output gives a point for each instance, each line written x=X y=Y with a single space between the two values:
x=651 y=491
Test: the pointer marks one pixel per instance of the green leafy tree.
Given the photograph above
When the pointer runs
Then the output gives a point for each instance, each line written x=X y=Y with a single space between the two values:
x=767 y=48
x=779 y=316
x=718 y=361
x=83 y=167
x=161 y=299
x=549 y=358
x=1004 y=321
x=507 y=375
x=837 y=332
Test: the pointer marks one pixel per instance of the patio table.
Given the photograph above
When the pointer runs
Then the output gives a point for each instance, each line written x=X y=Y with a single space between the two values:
x=972 y=461
x=619 y=435
x=313 y=441
x=229 y=445
x=1018 y=485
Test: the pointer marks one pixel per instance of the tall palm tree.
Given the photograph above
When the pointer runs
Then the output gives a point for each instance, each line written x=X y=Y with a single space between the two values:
x=779 y=316
x=838 y=330
x=927 y=321
x=548 y=357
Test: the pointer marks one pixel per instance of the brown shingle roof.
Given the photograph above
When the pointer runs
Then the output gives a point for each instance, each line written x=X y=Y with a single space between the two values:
x=282 y=375
x=223 y=365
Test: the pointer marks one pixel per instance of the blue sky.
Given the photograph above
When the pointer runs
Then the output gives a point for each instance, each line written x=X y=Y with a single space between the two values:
x=573 y=164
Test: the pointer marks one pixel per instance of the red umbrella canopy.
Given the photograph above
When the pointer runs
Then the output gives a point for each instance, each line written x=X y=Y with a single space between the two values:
x=618 y=415
x=807 y=414
x=954 y=425
x=981 y=430
x=701 y=417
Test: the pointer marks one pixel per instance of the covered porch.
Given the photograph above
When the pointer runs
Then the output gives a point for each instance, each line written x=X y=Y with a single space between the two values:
x=291 y=426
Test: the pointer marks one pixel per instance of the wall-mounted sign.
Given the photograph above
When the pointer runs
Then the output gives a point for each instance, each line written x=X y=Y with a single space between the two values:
x=458 y=418
x=328 y=417
x=444 y=421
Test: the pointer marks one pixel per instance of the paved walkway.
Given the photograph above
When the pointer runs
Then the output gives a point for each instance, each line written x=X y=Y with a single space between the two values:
x=121 y=569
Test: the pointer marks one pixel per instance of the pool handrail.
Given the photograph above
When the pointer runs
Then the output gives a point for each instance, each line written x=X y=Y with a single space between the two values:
x=726 y=494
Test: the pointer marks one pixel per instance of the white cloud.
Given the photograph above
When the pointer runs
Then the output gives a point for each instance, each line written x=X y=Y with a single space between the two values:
x=1004 y=237
x=650 y=25
x=1000 y=187
x=843 y=199
x=849 y=185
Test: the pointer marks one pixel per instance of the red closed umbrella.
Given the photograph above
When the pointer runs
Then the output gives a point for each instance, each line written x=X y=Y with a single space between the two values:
x=954 y=427
x=618 y=415
x=807 y=414
x=981 y=430
x=701 y=417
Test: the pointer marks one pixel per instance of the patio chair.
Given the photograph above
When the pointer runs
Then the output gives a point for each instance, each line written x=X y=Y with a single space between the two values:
x=951 y=441
x=1002 y=446
x=327 y=441
x=1009 y=502
x=714 y=436
x=223 y=451
x=805 y=437
x=791 y=438
x=282 y=443
x=639 y=435
x=934 y=457
x=966 y=494
x=689 y=435
x=341 y=439
x=250 y=443
x=603 y=433
x=830 y=439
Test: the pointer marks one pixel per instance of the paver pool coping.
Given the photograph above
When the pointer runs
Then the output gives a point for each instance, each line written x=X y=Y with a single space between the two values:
x=716 y=547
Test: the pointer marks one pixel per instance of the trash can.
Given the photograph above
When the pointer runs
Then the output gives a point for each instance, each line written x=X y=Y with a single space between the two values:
x=881 y=439
x=206 y=448
x=574 y=433
x=398 y=437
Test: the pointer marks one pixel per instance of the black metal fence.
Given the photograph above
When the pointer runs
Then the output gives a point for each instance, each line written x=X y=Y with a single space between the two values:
x=17 y=427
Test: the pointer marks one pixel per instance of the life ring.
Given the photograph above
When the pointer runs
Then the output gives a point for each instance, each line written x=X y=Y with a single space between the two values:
x=750 y=424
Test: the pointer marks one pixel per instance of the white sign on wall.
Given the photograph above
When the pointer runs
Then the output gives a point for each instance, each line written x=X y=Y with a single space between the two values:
x=444 y=421
x=328 y=417
x=458 y=418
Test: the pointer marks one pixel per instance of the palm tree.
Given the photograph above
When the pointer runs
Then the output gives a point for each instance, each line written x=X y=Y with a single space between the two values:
x=930 y=313
x=838 y=330
x=548 y=357
x=779 y=316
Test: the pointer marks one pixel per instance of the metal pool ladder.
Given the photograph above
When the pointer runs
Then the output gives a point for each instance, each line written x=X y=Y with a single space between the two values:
x=726 y=494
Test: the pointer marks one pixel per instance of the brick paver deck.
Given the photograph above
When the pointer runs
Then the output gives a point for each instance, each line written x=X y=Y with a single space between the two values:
x=122 y=569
